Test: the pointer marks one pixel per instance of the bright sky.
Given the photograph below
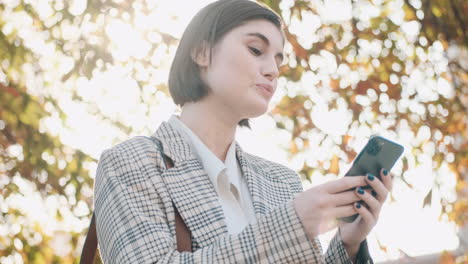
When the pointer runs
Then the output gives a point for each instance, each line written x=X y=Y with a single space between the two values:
x=403 y=223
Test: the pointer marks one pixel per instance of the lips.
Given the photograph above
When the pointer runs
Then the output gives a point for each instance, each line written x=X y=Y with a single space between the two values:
x=266 y=88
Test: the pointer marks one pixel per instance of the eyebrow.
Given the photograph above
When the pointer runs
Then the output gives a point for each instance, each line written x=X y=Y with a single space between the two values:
x=267 y=42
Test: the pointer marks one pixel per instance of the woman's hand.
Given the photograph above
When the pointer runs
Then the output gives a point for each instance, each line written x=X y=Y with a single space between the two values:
x=355 y=232
x=320 y=206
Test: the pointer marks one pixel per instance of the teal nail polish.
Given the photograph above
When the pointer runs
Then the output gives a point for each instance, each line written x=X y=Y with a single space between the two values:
x=358 y=205
x=385 y=172
x=360 y=190
x=370 y=177
x=374 y=193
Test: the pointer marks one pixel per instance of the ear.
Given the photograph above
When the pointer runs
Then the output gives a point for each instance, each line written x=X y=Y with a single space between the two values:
x=201 y=54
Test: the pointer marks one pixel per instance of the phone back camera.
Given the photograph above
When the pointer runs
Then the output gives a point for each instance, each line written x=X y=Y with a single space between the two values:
x=374 y=147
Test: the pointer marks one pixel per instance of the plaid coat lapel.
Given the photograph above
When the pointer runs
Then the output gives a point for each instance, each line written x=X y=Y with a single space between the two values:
x=190 y=189
x=266 y=186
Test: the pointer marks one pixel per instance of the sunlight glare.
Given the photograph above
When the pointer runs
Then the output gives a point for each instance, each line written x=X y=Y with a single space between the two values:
x=128 y=42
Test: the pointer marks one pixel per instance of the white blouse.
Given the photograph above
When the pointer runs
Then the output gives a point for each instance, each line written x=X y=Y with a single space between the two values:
x=226 y=178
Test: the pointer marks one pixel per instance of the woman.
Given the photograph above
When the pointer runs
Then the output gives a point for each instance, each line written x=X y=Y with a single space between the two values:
x=238 y=207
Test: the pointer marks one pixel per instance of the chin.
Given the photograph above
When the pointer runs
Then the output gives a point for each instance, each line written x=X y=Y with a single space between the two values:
x=255 y=110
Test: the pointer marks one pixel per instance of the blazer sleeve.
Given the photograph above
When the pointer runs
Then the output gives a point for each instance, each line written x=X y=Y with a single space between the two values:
x=336 y=252
x=132 y=225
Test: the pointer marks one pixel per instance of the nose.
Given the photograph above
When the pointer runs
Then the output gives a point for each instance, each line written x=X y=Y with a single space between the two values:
x=270 y=70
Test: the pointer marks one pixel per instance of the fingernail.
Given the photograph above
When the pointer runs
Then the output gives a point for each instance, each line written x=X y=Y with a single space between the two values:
x=374 y=193
x=370 y=177
x=385 y=172
x=360 y=190
x=358 y=205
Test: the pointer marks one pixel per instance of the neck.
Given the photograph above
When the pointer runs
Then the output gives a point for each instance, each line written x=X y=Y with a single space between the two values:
x=215 y=128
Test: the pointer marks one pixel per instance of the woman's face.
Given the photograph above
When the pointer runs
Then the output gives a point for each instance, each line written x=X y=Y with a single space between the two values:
x=243 y=73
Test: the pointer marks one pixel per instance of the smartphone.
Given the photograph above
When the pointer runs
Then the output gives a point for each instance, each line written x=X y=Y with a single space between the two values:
x=379 y=153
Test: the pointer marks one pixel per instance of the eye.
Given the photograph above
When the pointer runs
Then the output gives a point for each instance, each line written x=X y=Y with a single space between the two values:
x=255 y=51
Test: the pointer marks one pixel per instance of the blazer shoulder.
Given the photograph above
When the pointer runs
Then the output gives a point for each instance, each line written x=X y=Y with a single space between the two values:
x=135 y=145
x=134 y=148
x=137 y=152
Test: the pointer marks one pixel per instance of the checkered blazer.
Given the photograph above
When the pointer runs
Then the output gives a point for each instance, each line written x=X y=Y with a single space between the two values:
x=134 y=199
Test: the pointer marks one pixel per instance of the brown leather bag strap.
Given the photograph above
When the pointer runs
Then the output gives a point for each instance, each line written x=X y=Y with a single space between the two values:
x=90 y=244
x=183 y=235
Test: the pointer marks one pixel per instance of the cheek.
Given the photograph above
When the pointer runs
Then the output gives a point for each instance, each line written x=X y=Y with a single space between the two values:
x=233 y=72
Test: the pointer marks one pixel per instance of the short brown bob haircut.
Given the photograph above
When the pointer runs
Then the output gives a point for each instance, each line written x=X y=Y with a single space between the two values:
x=208 y=26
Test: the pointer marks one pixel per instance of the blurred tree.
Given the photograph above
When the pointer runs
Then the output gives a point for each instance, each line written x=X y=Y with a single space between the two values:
x=395 y=65
x=391 y=66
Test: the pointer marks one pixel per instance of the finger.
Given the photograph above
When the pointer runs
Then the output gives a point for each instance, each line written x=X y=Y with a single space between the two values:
x=387 y=179
x=378 y=187
x=365 y=214
x=344 y=198
x=342 y=211
x=373 y=204
x=344 y=184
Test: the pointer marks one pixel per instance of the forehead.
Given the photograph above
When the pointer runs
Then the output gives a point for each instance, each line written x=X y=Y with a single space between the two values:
x=263 y=27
